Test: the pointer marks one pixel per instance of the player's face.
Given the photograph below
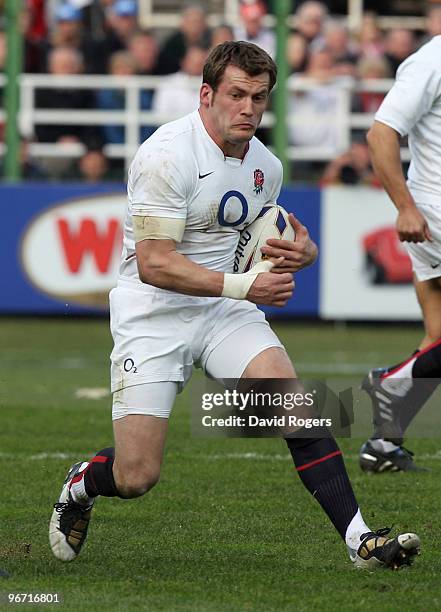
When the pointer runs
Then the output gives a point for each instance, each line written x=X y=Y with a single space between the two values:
x=235 y=109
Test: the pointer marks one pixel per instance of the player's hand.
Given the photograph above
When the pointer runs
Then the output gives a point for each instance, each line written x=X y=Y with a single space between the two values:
x=297 y=254
x=412 y=226
x=272 y=289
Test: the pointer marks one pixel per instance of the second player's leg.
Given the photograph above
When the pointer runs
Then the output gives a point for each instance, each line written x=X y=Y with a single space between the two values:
x=429 y=297
x=395 y=407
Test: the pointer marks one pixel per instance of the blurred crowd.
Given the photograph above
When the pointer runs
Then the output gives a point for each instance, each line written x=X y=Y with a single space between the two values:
x=71 y=37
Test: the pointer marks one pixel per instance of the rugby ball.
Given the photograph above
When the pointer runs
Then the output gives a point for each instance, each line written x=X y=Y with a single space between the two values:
x=271 y=222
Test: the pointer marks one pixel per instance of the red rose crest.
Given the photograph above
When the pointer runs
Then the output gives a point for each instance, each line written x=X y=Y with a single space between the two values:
x=259 y=179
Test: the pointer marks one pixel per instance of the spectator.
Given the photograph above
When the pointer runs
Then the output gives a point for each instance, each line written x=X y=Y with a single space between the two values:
x=351 y=168
x=343 y=50
x=320 y=66
x=177 y=94
x=252 y=29
x=314 y=111
x=433 y=22
x=311 y=17
x=36 y=19
x=193 y=31
x=222 y=33
x=371 y=68
x=370 y=37
x=143 y=48
x=30 y=168
x=94 y=18
x=35 y=31
x=121 y=64
x=400 y=44
x=297 y=53
x=92 y=167
x=67 y=32
x=2 y=51
x=65 y=61
x=121 y=19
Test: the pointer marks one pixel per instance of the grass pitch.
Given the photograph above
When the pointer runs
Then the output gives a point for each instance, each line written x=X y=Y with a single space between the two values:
x=229 y=527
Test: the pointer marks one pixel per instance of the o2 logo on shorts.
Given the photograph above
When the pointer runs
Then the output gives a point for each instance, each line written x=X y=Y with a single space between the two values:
x=129 y=366
x=233 y=209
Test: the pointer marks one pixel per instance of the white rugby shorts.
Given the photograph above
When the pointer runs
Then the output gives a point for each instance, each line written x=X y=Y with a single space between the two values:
x=426 y=256
x=160 y=335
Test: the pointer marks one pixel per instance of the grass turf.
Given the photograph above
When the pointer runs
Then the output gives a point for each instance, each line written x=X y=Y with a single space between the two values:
x=229 y=527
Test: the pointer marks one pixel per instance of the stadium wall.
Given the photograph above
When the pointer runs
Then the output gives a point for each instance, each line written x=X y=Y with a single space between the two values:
x=62 y=244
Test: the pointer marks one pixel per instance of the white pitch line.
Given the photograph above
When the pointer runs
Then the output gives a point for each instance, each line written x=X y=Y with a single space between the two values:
x=73 y=363
x=262 y=457
x=253 y=456
x=93 y=393
x=333 y=368
x=216 y=457
x=38 y=456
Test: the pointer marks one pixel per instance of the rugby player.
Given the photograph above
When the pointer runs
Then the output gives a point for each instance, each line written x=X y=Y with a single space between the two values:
x=191 y=188
x=413 y=108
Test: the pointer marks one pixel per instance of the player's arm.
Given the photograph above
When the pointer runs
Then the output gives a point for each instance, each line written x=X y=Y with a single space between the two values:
x=160 y=265
x=384 y=147
x=416 y=87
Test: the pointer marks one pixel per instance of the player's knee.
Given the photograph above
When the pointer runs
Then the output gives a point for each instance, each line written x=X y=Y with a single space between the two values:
x=137 y=481
x=272 y=362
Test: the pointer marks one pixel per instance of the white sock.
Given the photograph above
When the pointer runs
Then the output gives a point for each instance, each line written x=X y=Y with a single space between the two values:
x=384 y=446
x=400 y=382
x=78 y=489
x=355 y=529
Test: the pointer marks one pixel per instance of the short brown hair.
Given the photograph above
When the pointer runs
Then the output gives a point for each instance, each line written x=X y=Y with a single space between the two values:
x=244 y=55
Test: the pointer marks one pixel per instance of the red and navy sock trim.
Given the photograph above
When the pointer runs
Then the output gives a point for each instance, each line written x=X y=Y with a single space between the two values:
x=96 y=459
x=415 y=356
x=317 y=461
x=98 y=475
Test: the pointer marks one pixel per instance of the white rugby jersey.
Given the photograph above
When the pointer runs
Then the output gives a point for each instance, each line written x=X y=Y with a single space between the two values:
x=413 y=107
x=180 y=172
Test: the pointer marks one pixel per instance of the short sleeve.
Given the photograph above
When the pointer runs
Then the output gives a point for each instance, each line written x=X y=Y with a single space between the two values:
x=156 y=185
x=277 y=182
x=417 y=86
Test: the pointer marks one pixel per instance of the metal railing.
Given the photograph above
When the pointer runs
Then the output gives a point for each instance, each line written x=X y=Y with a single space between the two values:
x=152 y=15
x=132 y=117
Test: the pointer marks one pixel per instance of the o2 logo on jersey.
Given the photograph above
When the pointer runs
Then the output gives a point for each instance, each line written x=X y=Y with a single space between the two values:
x=233 y=209
x=129 y=366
